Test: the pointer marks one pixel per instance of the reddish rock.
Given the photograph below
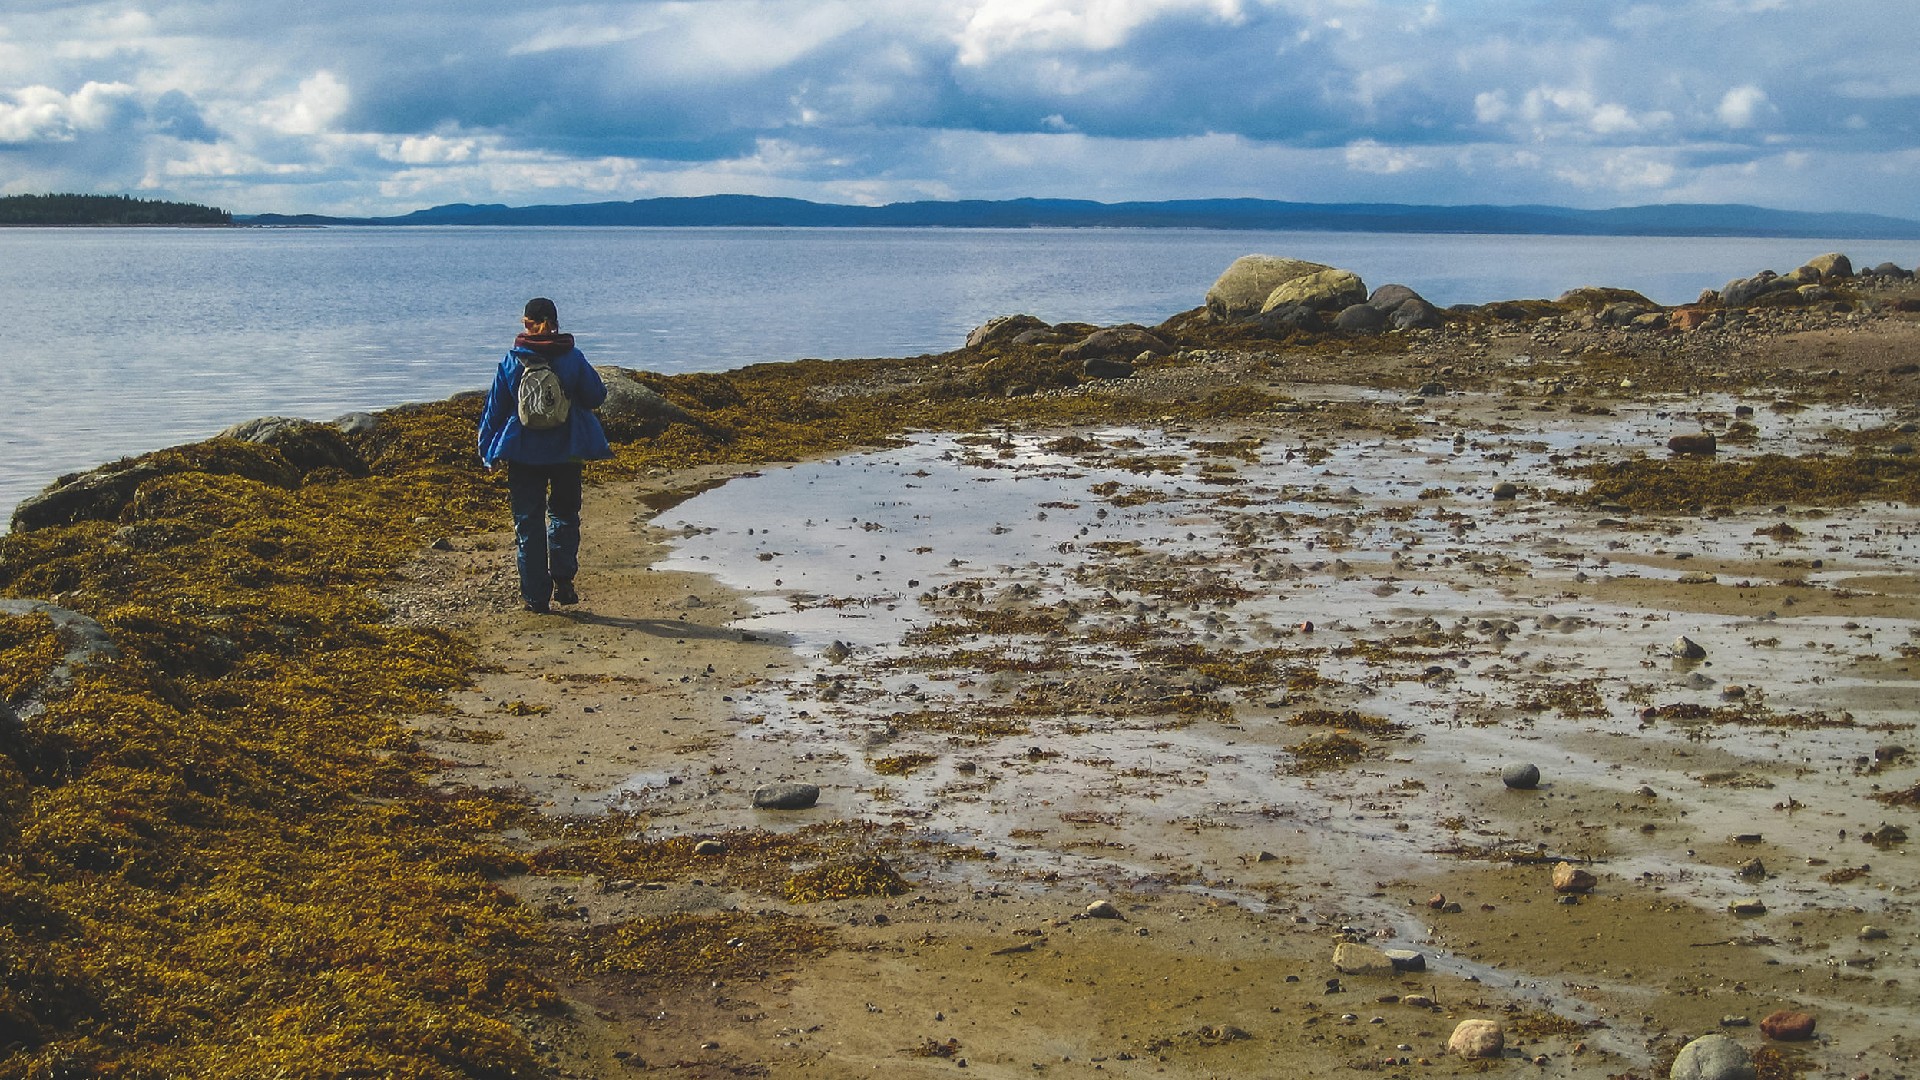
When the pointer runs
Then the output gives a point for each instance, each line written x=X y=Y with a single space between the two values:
x=1688 y=318
x=1568 y=878
x=1787 y=1026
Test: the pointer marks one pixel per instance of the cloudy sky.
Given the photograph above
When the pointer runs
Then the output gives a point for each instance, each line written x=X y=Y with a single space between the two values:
x=385 y=106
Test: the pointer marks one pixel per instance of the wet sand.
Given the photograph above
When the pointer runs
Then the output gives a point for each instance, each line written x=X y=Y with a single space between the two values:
x=1255 y=684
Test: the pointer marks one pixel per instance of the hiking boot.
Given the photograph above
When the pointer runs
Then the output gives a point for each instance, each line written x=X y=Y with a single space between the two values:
x=536 y=609
x=563 y=593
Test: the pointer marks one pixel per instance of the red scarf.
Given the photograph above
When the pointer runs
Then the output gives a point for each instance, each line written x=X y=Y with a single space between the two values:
x=551 y=346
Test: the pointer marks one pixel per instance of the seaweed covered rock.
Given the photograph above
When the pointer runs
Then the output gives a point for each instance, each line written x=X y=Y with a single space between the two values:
x=1124 y=342
x=305 y=444
x=103 y=494
x=1594 y=297
x=1243 y=289
x=634 y=410
x=1004 y=329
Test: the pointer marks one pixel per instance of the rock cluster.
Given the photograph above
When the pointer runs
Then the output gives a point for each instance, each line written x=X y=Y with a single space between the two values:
x=1294 y=294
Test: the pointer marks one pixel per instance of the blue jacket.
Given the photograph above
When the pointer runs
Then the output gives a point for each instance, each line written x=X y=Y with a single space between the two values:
x=580 y=439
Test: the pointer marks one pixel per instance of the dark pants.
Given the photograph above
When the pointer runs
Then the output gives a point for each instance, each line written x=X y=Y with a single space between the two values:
x=546 y=526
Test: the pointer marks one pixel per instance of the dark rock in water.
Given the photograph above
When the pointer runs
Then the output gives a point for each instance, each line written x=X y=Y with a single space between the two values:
x=634 y=410
x=1506 y=491
x=1521 y=777
x=1890 y=270
x=1121 y=341
x=1787 y=1026
x=1003 y=329
x=305 y=444
x=1685 y=648
x=1702 y=444
x=1713 y=1057
x=1432 y=389
x=786 y=796
x=105 y=493
x=1098 y=367
x=1361 y=319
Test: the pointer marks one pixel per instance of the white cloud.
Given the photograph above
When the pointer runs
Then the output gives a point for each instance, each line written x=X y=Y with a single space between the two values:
x=996 y=27
x=311 y=109
x=431 y=150
x=1490 y=106
x=41 y=113
x=1740 y=107
x=1369 y=156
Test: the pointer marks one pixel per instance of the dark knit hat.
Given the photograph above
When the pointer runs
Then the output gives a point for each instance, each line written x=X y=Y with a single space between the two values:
x=541 y=309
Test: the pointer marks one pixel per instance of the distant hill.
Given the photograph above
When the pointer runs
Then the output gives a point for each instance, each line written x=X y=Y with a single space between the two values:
x=755 y=211
x=105 y=210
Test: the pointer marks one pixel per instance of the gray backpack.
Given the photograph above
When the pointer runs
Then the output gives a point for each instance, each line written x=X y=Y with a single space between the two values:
x=543 y=403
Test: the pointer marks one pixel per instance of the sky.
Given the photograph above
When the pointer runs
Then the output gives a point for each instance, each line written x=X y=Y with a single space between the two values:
x=387 y=106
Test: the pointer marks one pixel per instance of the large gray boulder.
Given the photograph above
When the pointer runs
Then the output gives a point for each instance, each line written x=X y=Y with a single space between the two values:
x=1831 y=265
x=1323 y=290
x=1242 y=290
x=1404 y=309
x=1361 y=319
x=1415 y=314
x=1389 y=297
x=305 y=444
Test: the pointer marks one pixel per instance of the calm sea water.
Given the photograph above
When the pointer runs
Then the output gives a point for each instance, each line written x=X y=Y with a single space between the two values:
x=127 y=340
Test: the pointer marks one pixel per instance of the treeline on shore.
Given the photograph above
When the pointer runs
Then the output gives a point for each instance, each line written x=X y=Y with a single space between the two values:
x=105 y=210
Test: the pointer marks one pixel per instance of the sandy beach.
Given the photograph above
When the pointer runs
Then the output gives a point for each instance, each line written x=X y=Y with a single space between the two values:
x=1269 y=711
x=1253 y=684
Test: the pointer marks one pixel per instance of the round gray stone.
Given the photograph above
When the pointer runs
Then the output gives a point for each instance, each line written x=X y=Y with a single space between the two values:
x=786 y=796
x=1521 y=777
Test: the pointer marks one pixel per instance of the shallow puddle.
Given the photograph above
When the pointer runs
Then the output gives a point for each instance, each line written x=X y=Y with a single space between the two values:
x=1094 y=657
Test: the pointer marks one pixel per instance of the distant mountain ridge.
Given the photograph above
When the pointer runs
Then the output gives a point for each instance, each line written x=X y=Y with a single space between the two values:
x=1673 y=219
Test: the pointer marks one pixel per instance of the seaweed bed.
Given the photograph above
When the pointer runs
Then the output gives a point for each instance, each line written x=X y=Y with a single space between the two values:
x=224 y=855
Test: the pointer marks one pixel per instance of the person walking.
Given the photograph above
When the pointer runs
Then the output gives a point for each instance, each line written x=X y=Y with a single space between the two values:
x=539 y=421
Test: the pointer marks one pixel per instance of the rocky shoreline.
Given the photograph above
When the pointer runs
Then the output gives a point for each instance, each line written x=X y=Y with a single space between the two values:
x=1188 y=793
